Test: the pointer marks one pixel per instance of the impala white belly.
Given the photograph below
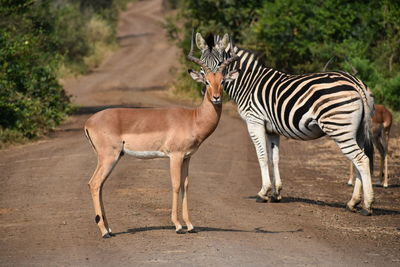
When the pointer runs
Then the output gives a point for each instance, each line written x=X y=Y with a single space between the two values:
x=146 y=154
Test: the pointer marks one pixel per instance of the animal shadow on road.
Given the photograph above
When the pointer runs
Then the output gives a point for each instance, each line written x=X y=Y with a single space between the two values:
x=94 y=109
x=390 y=186
x=376 y=211
x=257 y=230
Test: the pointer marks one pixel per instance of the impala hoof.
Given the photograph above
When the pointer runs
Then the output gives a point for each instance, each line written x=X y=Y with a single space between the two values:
x=366 y=212
x=261 y=200
x=192 y=231
x=351 y=185
x=180 y=231
x=108 y=235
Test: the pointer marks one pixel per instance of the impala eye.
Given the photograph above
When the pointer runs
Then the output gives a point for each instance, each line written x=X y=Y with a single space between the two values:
x=207 y=83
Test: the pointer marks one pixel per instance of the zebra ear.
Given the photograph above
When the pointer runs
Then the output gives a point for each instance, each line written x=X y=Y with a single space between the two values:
x=222 y=45
x=231 y=76
x=197 y=76
x=200 y=42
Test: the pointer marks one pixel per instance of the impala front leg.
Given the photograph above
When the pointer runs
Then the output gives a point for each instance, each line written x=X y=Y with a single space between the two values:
x=176 y=162
x=184 y=189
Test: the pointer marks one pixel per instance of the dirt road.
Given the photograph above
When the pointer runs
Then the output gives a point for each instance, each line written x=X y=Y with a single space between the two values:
x=47 y=218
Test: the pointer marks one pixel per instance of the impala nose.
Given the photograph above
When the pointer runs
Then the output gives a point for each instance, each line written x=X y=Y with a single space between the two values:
x=216 y=100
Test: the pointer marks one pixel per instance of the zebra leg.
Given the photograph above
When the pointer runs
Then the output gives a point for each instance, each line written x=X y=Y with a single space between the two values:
x=352 y=150
x=273 y=143
x=351 y=175
x=361 y=162
x=357 y=191
x=258 y=136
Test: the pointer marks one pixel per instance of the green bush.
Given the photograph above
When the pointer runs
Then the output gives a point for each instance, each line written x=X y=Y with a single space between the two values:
x=303 y=36
x=31 y=100
x=37 y=38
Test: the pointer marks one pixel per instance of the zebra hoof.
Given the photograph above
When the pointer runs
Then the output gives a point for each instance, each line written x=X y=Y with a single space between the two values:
x=180 y=231
x=261 y=200
x=350 y=208
x=366 y=212
x=108 y=235
x=275 y=199
x=192 y=231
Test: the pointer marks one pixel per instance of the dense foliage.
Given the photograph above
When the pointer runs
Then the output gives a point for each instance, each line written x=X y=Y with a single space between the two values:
x=307 y=36
x=37 y=40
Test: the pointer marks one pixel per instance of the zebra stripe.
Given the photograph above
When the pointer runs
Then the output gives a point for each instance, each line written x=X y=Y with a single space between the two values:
x=303 y=107
x=285 y=99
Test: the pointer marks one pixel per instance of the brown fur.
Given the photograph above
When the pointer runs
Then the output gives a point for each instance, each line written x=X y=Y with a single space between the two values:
x=173 y=132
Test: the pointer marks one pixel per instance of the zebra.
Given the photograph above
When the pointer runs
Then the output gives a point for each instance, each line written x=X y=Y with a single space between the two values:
x=302 y=107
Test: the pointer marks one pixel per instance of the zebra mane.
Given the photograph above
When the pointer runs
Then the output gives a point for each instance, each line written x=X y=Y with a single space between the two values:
x=210 y=40
x=258 y=55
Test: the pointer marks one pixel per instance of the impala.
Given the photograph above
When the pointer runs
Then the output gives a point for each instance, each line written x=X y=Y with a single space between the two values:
x=174 y=133
x=381 y=124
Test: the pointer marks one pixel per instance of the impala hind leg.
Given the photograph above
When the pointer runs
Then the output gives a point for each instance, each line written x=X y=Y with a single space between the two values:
x=184 y=190
x=104 y=167
x=385 y=141
x=386 y=174
x=258 y=136
x=381 y=145
x=176 y=162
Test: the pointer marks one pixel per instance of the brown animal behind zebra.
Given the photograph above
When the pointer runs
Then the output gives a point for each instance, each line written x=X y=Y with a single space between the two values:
x=381 y=124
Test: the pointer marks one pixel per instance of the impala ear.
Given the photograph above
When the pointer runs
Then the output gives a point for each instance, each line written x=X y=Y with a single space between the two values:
x=197 y=76
x=201 y=43
x=231 y=76
x=222 y=45
x=203 y=90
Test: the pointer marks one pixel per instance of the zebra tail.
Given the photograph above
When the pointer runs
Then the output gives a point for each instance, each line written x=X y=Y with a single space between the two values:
x=369 y=151
x=368 y=102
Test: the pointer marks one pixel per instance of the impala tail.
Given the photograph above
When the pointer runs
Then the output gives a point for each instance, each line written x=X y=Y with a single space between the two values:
x=90 y=139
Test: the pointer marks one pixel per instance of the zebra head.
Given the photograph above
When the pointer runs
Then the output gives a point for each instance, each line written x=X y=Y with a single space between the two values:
x=213 y=79
x=213 y=51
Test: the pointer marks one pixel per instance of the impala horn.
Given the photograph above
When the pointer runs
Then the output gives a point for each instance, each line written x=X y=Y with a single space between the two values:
x=229 y=60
